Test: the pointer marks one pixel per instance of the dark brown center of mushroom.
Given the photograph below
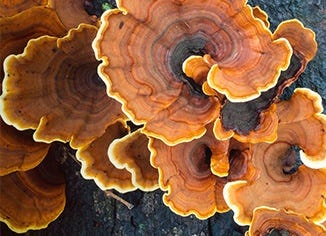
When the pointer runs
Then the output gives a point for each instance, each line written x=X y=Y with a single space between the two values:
x=279 y=232
x=244 y=117
x=191 y=45
x=201 y=158
x=291 y=160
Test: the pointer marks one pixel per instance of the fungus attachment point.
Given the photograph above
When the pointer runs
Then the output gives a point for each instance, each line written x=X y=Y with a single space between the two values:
x=291 y=160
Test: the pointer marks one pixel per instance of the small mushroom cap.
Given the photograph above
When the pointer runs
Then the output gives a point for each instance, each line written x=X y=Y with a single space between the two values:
x=302 y=115
x=266 y=219
x=302 y=39
x=97 y=166
x=280 y=183
x=53 y=87
x=12 y=7
x=184 y=171
x=35 y=198
x=17 y=30
x=131 y=152
x=72 y=12
x=18 y=150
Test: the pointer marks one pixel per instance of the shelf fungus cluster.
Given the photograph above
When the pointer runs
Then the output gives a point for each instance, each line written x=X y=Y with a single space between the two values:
x=181 y=95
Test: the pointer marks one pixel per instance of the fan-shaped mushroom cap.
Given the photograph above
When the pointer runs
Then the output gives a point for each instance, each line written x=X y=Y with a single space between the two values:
x=184 y=171
x=10 y=7
x=53 y=87
x=279 y=182
x=17 y=30
x=266 y=220
x=301 y=115
x=131 y=152
x=33 y=199
x=18 y=151
x=142 y=67
x=97 y=166
x=72 y=12
x=302 y=39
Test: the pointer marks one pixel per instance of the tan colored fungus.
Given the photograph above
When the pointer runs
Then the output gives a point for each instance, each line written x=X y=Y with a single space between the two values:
x=131 y=152
x=53 y=87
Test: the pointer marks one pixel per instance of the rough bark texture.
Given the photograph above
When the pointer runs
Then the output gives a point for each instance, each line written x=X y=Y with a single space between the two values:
x=89 y=212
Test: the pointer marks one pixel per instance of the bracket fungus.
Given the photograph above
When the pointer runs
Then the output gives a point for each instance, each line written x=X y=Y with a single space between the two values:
x=131 y=152
x=143 y=51
x=96 y=165
x=34 y=198
x=13 y=7
x=266 y=220
x=281 y=180
x=72 y=13
x=18 y=151
x=184 y=171
x=17 y=30
x=55 y=80
x=255 y=121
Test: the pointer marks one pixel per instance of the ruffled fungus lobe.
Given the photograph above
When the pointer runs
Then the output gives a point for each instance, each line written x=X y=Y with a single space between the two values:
x=184 y=171
x=18 y=151
x=17 y=30
x=131 y=152
x=72 y=12
x=55 y=80
x=143 y=51
x=12 y=7
x=281 y=181
x=97 y=166
x=254 y=118
x=33 y=199
x=266 y=220
x=302 y=115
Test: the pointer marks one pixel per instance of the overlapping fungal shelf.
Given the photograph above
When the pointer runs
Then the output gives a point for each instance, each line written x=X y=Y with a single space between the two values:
x=181 y=95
